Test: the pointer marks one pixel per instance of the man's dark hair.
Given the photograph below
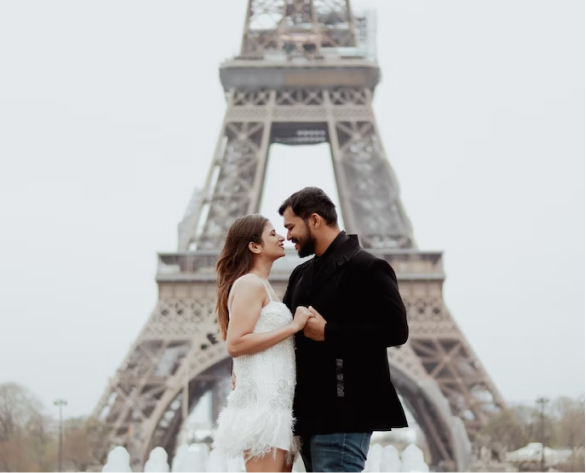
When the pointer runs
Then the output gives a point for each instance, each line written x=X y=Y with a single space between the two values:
x=309 y=201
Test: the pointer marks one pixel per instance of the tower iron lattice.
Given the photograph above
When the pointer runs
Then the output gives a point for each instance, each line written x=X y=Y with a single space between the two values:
x=305 y=74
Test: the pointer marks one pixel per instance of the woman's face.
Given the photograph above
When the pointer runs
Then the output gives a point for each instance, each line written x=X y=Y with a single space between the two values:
x=273 y=247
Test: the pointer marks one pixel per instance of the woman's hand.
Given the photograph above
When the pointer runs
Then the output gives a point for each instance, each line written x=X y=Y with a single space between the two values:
x=302 y=315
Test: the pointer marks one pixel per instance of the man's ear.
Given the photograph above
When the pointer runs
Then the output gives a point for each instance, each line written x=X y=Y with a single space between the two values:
x=315 y=221
x=254 y=248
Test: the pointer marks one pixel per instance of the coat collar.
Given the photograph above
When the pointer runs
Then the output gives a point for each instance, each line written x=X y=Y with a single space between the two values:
x=341 y=255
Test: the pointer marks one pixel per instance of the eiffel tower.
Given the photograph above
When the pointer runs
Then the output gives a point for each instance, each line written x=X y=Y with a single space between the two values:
x=306 y=74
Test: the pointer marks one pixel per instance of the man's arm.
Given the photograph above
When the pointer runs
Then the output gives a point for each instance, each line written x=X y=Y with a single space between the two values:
x=385 y=325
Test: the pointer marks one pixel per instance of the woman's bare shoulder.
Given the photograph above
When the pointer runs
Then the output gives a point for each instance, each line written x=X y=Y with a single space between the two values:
x=247 y=291
x=249 y=283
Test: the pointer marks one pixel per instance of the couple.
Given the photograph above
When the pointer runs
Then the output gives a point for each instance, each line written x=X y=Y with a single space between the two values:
x=319 y=378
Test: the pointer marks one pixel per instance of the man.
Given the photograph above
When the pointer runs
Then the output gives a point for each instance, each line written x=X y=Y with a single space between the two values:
x=344 y=390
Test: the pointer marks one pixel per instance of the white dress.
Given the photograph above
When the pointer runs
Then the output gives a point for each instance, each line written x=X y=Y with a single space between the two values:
x=259 y=413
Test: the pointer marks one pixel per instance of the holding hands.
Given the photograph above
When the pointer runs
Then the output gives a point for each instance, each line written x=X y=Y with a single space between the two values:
x=302 y=315
x=311 y=322
x=315 y=327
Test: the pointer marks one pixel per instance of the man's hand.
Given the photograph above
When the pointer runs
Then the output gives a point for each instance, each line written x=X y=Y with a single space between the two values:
x=315 y=326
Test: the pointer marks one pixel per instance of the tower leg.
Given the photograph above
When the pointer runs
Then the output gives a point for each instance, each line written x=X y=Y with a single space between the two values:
x=220 y=391
x=235 y=185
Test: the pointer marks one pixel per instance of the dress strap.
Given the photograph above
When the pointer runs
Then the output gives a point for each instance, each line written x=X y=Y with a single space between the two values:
x=266 y=287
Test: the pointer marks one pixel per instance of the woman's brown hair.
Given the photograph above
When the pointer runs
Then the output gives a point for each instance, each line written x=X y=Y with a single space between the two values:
x=235 y=261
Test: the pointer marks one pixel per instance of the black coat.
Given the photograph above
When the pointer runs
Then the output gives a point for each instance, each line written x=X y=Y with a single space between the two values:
x=343 y=383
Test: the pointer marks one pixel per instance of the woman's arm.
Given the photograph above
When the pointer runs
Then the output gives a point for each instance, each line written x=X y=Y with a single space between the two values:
x=248 y=296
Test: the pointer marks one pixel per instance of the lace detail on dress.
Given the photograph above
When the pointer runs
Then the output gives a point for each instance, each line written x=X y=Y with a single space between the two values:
x=281 y=399
x=246 y=394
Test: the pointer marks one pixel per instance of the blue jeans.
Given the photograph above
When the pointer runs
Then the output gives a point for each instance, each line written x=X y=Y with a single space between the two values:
x=335 y=452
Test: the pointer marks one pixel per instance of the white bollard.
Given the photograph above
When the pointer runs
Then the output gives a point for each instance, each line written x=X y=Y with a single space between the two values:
x=179 y=456
x=157 y=461
x=298 y=465
x=373 y=458
x=216 y=461
x=194 y=459
x=203 y=451
x=118 y=460
x=236 y=464
x=390 y=460
x=412 y=460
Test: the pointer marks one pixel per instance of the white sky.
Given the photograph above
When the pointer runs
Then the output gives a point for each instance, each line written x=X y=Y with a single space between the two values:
x=109 y=114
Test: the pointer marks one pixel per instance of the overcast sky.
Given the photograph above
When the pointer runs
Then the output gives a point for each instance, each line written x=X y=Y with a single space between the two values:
x=109 y=114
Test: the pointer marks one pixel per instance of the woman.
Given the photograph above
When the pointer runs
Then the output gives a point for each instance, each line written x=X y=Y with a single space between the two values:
x=258 y=330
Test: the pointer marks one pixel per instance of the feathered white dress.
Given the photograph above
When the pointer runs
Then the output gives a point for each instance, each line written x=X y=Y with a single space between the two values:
x=259 y=413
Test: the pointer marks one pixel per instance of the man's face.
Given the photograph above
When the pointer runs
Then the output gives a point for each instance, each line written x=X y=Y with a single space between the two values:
x=299 y=233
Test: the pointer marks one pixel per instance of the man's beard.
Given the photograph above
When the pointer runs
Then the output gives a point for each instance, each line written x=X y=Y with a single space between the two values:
x=307 y=245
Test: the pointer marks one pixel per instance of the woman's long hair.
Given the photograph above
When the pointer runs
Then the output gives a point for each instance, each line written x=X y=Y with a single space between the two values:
x=235 y=261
